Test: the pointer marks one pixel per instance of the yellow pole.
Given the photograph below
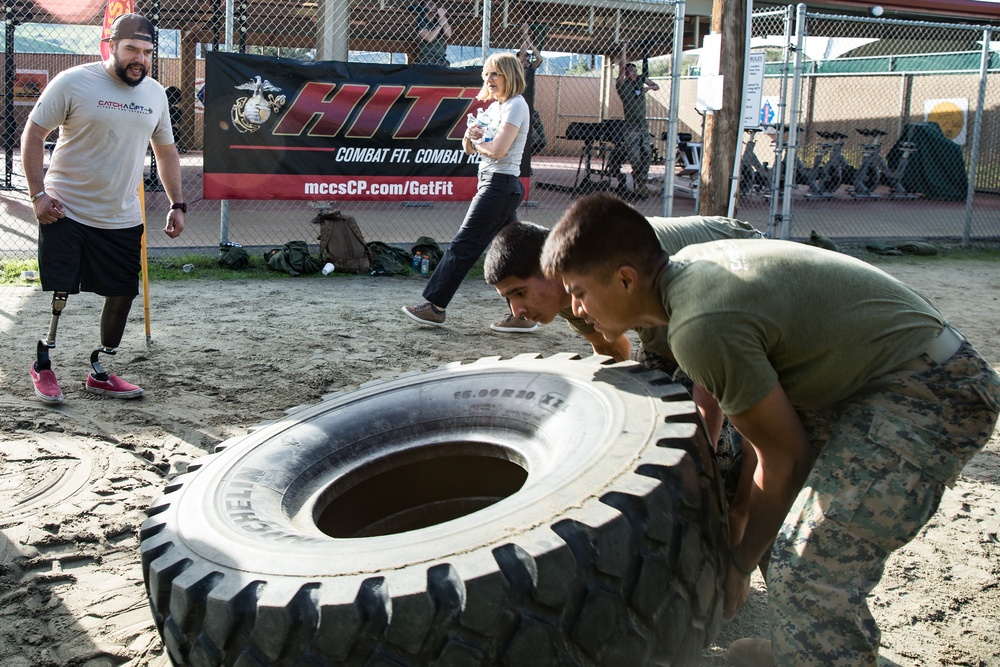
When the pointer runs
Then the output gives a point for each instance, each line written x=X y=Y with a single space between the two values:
x=145 y=264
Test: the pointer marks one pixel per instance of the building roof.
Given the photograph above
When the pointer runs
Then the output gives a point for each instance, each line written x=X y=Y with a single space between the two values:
x=573 y=26
x=959 y=11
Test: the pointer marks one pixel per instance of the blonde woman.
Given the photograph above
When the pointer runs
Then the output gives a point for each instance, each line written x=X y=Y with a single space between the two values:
x=500 y=145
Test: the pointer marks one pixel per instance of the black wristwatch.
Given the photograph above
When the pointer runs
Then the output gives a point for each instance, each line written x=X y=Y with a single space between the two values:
x=181 y=205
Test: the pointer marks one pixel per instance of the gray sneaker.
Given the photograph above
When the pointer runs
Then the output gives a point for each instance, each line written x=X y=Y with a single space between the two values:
x=425 y=314
x=511 y=324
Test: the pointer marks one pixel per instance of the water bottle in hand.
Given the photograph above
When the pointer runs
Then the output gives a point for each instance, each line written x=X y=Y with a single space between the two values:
x=482 y=121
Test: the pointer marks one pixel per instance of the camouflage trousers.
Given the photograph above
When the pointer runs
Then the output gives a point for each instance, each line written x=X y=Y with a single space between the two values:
x=884 y=457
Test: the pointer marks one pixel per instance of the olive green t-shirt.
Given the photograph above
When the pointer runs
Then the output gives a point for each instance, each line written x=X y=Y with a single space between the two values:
x=633 y=103
x=674 y=234
x=746 y=314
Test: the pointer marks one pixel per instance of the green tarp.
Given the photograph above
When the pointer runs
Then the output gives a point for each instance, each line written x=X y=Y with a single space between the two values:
x=937 y=168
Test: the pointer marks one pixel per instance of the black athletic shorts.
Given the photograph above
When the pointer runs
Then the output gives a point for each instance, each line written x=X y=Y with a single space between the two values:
x=76 y=258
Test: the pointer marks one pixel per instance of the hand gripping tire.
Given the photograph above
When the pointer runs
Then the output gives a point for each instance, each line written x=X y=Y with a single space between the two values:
x=517 y=512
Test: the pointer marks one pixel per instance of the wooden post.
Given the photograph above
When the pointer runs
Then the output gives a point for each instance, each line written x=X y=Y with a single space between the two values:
x=145 y=266
x=719 y=151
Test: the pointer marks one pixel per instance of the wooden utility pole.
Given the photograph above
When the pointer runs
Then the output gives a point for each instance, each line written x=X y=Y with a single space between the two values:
x=719 y=152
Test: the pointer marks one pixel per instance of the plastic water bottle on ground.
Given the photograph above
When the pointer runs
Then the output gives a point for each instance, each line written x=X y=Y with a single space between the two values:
x=425 y=265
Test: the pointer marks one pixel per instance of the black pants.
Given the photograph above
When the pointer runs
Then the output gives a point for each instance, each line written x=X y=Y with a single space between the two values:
x=493 y=207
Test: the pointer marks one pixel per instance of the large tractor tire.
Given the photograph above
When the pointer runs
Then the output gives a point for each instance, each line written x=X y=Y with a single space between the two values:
x=521 y=512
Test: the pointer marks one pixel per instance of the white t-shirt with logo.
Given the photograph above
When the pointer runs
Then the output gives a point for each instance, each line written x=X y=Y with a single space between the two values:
x=105 y=127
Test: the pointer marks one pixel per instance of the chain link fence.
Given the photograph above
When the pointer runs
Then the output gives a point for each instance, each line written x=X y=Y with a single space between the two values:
x=859 y=111
x=887 y=137
x=574 y=84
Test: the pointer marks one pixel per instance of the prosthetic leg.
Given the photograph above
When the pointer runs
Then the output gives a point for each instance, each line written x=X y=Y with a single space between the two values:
x=95 y=363
x=42 y=377
x=49 y=342
x=114 y=315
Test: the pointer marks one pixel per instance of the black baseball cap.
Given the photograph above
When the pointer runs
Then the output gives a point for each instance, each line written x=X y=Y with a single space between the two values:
x=131 y=26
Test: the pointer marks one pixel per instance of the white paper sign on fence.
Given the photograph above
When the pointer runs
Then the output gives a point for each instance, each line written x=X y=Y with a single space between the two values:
x=753 y=89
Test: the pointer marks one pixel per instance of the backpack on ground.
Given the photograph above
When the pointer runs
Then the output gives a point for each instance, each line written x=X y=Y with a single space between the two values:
x=388 y=260
x=342 y=243
x=293 y=258
x=233 y=256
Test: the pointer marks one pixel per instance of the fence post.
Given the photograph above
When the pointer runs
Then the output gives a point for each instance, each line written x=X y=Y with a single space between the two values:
x=905 y=102
x=228 y=47
x=977 y=128
x=153 y=182
x=734 y=177
x=487 y=18
x=723 y=129
x=9 y=73
x=791 y=151
x=674 y=112
x=334 y=30
x=774 y=218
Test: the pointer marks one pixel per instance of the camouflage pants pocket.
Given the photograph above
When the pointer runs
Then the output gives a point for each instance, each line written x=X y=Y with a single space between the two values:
x=877 y=494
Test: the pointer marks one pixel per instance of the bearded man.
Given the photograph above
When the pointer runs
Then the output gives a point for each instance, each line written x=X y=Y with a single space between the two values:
x=87 y=202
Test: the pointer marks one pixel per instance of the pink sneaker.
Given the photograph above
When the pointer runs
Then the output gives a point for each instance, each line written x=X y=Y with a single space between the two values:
x=46 y=387
x=115 y=387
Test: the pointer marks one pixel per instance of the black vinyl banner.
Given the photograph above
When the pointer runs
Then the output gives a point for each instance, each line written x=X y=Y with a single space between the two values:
x=285 y=129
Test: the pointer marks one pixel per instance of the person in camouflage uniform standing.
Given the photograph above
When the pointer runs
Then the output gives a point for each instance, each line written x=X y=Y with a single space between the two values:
x=633 y=146
x=862 y=404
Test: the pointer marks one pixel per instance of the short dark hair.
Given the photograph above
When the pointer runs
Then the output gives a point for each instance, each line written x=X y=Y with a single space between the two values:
x=515 y=251
x=599 y=233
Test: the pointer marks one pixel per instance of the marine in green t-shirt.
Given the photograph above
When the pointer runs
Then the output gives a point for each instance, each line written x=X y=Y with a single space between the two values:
x=673 y=235
x=633 y=146
x=860 y=401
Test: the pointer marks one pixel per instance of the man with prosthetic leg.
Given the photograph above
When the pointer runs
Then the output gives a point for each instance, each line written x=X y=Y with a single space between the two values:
x=87 y=203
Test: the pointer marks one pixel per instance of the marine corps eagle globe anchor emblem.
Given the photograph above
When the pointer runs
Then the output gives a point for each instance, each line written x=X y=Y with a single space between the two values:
x=249 y=113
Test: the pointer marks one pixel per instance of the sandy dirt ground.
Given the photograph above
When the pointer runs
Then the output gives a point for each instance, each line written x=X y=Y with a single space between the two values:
x=76 y=479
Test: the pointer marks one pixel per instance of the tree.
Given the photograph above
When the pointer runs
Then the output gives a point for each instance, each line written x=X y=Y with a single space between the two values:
x=579 y=66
